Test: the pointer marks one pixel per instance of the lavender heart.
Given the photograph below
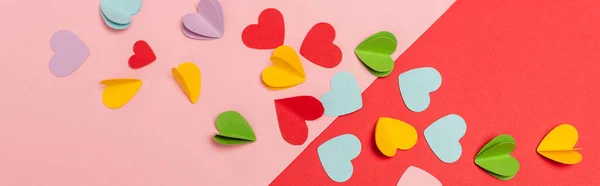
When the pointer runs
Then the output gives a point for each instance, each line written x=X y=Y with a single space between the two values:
x=69 y=53
x=208 y=22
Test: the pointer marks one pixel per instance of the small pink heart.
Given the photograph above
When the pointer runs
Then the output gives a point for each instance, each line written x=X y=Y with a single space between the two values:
x=416 y=176
x=69 y=53
x=207 y=23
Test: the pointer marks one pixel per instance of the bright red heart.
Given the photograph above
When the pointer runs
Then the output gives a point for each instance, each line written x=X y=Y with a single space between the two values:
x=269 y=33
x=142 y=55
x=292 y=114
x=318 y=46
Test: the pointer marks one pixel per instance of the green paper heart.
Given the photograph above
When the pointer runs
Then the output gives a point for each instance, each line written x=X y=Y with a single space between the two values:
x=375 y=53
x=495 y=158
x=233 y=129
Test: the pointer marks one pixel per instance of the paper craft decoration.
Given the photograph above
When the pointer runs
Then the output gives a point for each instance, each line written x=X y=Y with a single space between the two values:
x=143 y=55
x=392 y=134
x=559 y=145
x=233 y=129
x=318 y=46
x=375 y=53
x=414 y=176
x=292 y=114
x=69 y=53
x=336 y=156
x=208 y=23
x=286 y=72
x=416 y=85
x=187 y=76
x=344 y=97
x=495 y=157
x=117 y=13
x=269 y=33
x=443 y=137
x=119 y=91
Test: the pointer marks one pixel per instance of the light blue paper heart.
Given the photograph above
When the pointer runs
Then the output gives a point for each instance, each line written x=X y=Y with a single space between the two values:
x=415 y=86
x=344 y=97
x=336 y=155
x=443 y=137
x=117 y=13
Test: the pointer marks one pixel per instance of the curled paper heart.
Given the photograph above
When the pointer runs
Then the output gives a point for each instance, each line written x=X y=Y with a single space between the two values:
x=495 y=157
x=233 y=129
x=392 y=134
x=69 y=53
x=187 y=76
x=117 y=13
x=143 y=55
x=208 y=23
x=559 y=145
x=375 y=53
x=119 y=91
x=286 y=72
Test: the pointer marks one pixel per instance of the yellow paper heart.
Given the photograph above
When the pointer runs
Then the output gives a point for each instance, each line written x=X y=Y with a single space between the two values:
x=558 y=145
x=119 y=91
x=187 y=75
x=287 y=70
x=392 y=134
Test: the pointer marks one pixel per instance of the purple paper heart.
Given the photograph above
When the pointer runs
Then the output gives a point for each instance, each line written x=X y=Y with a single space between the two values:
x=69 y=53
x=207 y=23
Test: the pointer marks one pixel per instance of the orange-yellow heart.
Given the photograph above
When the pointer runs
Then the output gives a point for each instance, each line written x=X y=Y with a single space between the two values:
x=286 y=72
x=392 y=134
x=119 y=91
x=558 y=145
x=187 y=75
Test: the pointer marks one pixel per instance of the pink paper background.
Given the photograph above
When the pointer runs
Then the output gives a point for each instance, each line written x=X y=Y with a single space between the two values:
x=56 y=131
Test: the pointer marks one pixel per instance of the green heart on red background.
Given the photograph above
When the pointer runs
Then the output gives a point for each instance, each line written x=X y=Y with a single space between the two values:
x=233 y=129
x=375 y=53
x=495 y=157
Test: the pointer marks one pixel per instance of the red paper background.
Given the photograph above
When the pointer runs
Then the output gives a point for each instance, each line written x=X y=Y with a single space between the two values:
x=508 y=66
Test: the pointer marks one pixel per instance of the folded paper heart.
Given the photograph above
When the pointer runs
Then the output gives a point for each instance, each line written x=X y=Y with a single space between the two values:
x=117 y=13
x=233 y=129
x=414 y=176
x=69 y=53
x=208 y=23
x=559 y=145
x=292 y=114
x=286 y=72
x=119 y=91
x=143 y=55
x=345 y=95
x=318 y=46
x=443 y=137
x=392 y=134
x=375 y=53
x=416 y=85
x=269 y=33
x=187 y=76
x=336 y=156
x=495 y=157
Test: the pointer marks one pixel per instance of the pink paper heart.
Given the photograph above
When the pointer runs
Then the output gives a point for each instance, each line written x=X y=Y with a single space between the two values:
x=416 y=176
x=207 y=23
x=69 y=53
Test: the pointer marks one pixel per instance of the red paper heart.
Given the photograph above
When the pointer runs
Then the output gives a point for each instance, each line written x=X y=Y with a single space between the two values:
x=142 y=55
x=318 y=46
x=269 y=33
x=292 y=114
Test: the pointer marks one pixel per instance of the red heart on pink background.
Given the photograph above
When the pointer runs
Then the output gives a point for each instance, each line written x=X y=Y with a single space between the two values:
x=318 y=46
x=292 y=114
x=142 y=55
x=269 y=33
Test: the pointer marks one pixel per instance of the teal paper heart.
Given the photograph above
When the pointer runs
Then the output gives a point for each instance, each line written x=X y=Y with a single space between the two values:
x=344 y=97
x=117 y=13
x=443 y=137
x=336 y=155
x=415 y=86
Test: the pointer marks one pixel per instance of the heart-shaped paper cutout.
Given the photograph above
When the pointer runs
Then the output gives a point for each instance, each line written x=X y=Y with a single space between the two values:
x=495 y=158
x=443 y=137
x=69 y=53
x=559 y=145
x=414 y=176
x=287 y=70
x=269 y=33
x=318 y=46
x=415 y=86
x=187 y=76
x=119 y=91
x=207 y=23
x=292 y=114
x=392 y=134
x=233 y=129
x=345 y=95
x=143 y=55
x=336 y=155
x=117 y=13
x=375 y=53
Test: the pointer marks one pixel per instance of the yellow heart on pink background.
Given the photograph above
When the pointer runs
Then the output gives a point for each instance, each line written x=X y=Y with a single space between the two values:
x=286 y=72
